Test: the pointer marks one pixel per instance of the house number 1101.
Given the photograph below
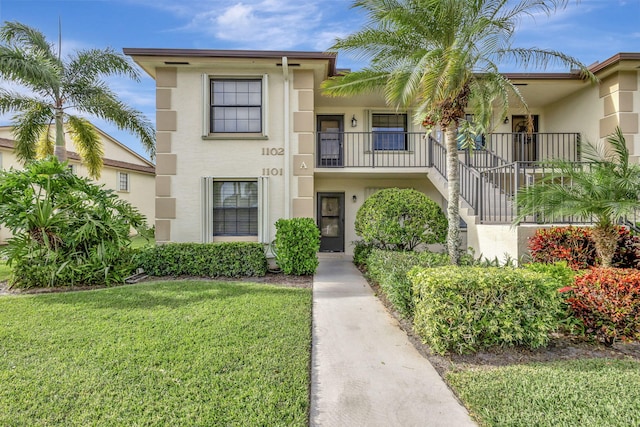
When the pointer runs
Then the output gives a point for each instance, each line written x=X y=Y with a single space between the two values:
x=272 y=172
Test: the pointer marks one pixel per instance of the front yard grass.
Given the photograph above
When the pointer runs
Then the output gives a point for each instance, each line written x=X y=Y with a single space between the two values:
x=591 y=392
x=161 y=353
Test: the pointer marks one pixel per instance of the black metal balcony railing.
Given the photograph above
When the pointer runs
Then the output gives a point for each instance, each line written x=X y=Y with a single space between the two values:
x=490 y=175
x=502 y=148
x=372 y=149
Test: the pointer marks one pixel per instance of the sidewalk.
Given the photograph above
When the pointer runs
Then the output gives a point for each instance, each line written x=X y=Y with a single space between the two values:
x=365 y=372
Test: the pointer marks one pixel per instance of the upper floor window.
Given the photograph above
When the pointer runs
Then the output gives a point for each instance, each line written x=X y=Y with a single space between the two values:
x=389 y=131
x=123 y=181
x=236 y=106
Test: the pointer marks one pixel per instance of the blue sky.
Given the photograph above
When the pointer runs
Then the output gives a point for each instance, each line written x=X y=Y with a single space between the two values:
x=591 y=30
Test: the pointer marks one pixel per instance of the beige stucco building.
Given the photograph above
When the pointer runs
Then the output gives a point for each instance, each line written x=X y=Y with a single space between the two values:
x=246 y=137
x=130 y=175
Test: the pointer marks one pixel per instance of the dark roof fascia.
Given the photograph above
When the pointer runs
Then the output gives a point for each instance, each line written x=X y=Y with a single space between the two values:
x=543 y=76
x=214 y=53
x=618 y=57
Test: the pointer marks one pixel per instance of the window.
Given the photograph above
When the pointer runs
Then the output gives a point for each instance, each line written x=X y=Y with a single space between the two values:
x=72 y=169
x=236 y=106
x=123 y=181
x=235 y=208
x=389 y=131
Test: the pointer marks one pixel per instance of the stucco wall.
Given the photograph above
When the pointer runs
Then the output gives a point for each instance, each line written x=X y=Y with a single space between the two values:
x=197 y=158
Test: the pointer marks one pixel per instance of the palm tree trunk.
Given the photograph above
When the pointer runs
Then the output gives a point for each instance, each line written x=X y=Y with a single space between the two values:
x=60 y=150
x=453 y=187
x=605 y=238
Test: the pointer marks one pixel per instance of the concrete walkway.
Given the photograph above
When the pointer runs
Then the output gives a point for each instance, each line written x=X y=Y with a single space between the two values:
x=365 y=371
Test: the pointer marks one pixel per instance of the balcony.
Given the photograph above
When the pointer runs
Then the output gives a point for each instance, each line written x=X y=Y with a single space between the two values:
x=372 y=150
x=414 y=149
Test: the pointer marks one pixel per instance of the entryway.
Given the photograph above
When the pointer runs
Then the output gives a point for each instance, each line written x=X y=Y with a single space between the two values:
x=331 y=221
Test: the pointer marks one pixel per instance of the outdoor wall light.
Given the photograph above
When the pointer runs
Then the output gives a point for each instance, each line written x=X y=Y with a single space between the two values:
x=354 y=198
x=354 y=122
x=506 y=120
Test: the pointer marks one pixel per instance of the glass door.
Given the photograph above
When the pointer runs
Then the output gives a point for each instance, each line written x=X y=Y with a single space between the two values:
x=331 y=221
x=330 y=135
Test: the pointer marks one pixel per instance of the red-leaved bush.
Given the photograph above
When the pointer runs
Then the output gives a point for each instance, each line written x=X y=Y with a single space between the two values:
x=607 y=301
x=575 y=245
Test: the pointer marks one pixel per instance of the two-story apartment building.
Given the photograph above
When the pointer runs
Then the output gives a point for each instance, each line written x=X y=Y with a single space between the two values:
x=246 y=137
x=126 y=172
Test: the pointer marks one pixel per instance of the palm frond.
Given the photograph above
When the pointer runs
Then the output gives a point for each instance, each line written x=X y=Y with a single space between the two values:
x=45 y=143
x=86 y=140
x=87 y=65
x=107 y=107
x=27 y=38
x=355 y=83
x=33 y=70
x=28 y=126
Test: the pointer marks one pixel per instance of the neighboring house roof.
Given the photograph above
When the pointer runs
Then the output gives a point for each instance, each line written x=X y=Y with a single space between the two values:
x=7 y=143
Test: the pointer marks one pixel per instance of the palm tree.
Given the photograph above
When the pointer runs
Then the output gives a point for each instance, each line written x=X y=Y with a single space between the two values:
x=440 y=58
x=606 y=190
x=57 y=91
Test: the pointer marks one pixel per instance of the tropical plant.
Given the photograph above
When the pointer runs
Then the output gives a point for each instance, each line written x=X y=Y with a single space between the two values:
x=606 y=189
x=440 y=58
x=66 y=230
x=58 y=92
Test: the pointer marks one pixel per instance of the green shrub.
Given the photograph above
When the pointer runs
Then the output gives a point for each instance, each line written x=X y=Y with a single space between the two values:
x=296 y=245
x=361 y=251
x=400 y=220
x=465 y=309
x=389 y=269
x=228 y=259
x=607 y=302
x=559 y=272
x=66 y=229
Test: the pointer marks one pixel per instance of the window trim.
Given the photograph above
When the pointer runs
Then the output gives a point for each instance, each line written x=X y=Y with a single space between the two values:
x=207 y=132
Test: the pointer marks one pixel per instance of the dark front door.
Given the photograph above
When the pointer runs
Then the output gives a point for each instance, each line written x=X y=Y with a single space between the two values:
x=331 y=221
x=525 y=138
x=330 y=129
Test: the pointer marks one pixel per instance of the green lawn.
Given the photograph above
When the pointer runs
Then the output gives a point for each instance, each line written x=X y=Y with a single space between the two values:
x=594 y=392
x=186 y=353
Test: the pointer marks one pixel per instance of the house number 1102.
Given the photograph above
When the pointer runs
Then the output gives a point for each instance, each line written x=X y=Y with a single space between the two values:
x=273 y=151
x=272 y=172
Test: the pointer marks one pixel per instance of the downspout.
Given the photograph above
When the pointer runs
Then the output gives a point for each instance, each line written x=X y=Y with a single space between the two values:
x=287 y=141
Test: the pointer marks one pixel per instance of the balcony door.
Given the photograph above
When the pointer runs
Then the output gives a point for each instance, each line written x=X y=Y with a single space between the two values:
x=525 y=143
x=331 y=221
x=330 y=133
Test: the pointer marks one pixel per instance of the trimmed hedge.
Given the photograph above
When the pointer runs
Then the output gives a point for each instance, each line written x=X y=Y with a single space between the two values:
x=389 y=270
x=400 y=219
x=296 y=246
x=607 y=302
x=466 y=309
x=228 y=259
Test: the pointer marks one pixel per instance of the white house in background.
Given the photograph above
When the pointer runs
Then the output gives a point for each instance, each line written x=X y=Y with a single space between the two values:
x=246 y=137
x=129 y=174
